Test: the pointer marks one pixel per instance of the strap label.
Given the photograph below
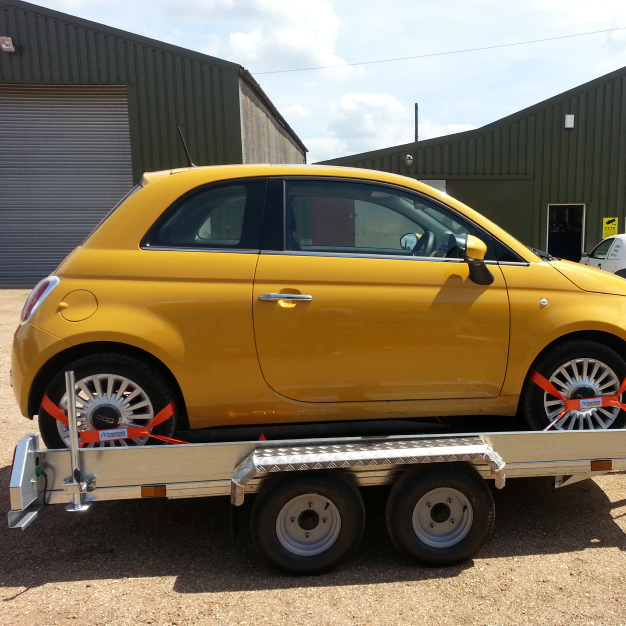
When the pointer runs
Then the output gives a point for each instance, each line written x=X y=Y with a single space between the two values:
x=590 y=403
x=118 y=433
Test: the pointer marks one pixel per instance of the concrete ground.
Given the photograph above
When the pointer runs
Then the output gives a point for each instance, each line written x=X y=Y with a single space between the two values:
x=555 y=557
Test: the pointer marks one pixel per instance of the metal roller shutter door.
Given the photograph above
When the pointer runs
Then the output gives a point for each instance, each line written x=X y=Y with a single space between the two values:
x=64 y=162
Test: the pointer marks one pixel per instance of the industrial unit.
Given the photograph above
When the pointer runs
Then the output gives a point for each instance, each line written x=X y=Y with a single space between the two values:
x=85 y=109
x=548 y=174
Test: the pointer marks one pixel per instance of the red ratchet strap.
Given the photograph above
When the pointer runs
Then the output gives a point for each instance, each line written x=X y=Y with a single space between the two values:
x=576 y=405
x=52 y=409
x=129 y=432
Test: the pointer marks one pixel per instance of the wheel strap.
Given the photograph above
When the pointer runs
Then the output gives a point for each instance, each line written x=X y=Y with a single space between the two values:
x=52 y=409
x=129 y=432
x=576 y=405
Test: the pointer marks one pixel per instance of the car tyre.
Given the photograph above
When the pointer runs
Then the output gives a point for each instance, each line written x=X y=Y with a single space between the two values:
x=575 y=351
x=151 y=386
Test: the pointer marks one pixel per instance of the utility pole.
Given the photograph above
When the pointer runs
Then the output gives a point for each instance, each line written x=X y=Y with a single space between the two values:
x=416 y=121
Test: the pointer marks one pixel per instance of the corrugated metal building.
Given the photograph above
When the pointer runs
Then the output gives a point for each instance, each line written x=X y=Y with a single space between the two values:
x=547 y=174
x=85 y=109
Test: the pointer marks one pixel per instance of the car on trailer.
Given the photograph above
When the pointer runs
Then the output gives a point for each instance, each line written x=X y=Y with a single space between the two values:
x=256 y=296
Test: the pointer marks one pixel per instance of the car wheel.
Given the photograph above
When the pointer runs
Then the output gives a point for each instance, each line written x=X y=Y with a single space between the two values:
x=578 y=369
x=112 y=391
x=440 y=514
x=307 y=523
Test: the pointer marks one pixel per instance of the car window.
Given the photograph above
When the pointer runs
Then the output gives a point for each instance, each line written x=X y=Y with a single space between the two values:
x=216 y=216
x=335 y=216
x=600 y=251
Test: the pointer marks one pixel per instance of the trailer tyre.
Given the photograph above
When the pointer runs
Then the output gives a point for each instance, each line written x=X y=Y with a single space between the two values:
x=307 y=523
x=440 y=515
x=113 y=391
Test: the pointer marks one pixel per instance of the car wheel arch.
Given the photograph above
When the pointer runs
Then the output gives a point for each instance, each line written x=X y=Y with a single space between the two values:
x=60 y=360
x=607 y=339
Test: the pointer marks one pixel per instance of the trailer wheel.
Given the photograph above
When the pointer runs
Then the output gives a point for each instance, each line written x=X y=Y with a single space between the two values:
x=440 y=515
x=307 y=523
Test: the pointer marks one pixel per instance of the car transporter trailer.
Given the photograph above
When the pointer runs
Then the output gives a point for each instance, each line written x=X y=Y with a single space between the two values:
x=309 y=513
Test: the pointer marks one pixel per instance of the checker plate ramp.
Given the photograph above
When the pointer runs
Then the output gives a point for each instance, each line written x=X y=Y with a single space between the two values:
x=264 y=461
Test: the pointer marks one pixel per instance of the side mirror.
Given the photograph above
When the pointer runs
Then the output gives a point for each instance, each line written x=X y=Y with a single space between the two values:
x=474 y=256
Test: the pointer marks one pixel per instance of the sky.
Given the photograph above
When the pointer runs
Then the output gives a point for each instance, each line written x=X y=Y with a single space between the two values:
x=352 y=109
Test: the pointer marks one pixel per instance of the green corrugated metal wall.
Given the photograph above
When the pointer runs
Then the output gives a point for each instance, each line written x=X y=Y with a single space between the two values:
x=166 y=87
x=584 y=165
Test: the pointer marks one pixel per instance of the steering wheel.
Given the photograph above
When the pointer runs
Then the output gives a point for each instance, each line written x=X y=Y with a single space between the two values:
x=425 y=245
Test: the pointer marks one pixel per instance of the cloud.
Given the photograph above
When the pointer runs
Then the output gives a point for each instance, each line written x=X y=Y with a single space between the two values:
x=370 y=120
x=323 y=148
x=361 y=122
x=295 y=112
x=277 y=34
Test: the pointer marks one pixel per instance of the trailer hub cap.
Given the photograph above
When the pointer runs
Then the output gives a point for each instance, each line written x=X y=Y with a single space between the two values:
x=308 y=524
x=579 y=379
x=442 y=517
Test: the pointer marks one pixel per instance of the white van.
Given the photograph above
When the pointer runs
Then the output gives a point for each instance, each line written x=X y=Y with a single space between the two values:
x=609 y=255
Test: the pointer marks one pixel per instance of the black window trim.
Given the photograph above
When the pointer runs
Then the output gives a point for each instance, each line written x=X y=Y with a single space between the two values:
x=443 y=205
x=145 y=245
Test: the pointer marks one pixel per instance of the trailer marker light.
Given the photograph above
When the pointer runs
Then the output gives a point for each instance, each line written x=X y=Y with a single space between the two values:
x=153 y=491
x=605 y=465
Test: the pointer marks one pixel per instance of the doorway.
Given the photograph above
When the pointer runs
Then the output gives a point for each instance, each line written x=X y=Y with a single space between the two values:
x=566 y=227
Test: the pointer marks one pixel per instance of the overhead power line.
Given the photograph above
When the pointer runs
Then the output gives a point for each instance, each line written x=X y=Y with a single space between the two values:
x=438 y=54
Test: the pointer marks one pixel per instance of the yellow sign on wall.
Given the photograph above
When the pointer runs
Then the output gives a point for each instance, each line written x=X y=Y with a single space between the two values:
x=609 y=227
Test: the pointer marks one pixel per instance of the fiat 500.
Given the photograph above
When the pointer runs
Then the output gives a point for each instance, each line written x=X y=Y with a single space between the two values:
x=258 y=295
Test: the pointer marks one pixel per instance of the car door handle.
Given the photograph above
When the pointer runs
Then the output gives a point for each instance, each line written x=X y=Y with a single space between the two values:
x=286 y=297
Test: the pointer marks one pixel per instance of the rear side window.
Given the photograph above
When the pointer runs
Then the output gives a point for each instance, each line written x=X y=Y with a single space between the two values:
x=228 y=216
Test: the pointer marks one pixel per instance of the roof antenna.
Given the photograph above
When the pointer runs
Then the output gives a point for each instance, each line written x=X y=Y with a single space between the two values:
x=191 y=163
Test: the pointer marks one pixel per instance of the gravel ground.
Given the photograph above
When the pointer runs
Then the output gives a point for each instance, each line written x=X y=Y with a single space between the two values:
x=555 y=557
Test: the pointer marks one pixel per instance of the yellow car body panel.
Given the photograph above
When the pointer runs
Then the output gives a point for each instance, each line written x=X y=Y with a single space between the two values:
x=381 y=338
x=569 y=310
x=379 y=329
x=32 y=348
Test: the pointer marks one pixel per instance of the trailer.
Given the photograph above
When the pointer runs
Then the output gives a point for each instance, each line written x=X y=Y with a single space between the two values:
x=308 y=515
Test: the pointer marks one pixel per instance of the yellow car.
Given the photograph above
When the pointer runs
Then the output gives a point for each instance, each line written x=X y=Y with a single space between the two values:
x=259 y=295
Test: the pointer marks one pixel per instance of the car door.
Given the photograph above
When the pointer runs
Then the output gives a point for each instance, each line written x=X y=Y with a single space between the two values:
x=378 y=306
x=598 y=255
x=615 y=256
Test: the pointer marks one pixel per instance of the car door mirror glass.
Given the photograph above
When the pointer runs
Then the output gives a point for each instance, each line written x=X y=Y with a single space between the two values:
x=409 y=241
